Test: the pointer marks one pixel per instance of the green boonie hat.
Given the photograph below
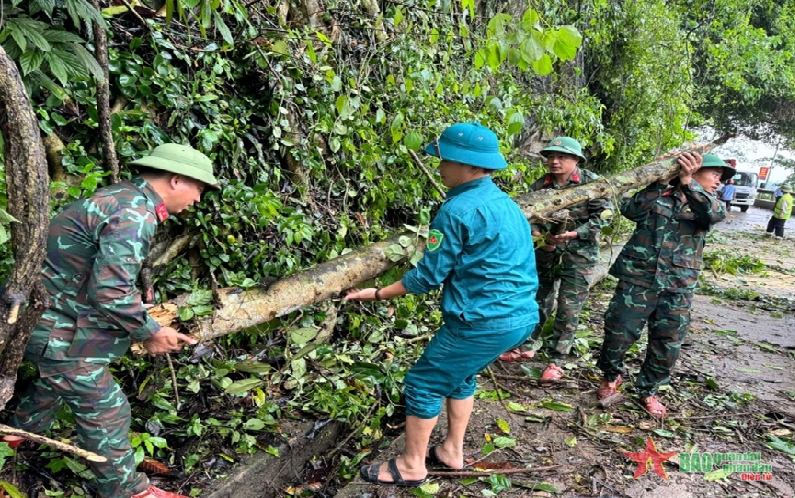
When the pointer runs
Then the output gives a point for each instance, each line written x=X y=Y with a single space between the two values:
x=468 y=143
x=713 y=161
x=567 y=145
x=180 y=159
x=786 y=188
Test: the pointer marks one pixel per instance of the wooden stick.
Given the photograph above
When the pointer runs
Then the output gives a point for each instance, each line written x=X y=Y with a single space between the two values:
x=67 y=448
x=427 y=173
x=173 y=379
x=492 y=472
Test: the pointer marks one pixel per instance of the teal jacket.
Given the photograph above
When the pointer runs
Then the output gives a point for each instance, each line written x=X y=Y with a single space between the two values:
x=480 y=251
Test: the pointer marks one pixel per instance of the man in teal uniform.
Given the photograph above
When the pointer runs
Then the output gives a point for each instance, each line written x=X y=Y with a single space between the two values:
x=480 y=251
x=95 y=249
x=657 y=273
x=568 y=257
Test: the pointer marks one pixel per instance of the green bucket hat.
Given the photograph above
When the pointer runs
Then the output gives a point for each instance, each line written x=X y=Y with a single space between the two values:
x=468 y=143
x=786 y=188
x=180 y=159
x=713 y=161
x=567 y=145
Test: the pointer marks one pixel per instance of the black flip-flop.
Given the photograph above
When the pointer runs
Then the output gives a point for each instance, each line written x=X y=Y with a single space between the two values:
x=433 y=459
x=370 y=474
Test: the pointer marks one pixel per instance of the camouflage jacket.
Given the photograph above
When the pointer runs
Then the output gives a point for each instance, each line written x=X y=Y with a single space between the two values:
x=587 y=219
x=95 y=249
x=665 y=251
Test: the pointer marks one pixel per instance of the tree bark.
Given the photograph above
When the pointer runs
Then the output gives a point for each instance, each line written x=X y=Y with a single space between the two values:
x=103 y=102
x=29 y=202
x=240 y=309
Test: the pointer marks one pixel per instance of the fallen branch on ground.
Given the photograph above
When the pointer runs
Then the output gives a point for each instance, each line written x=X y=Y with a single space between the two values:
x=66 y=448
x=492 y=472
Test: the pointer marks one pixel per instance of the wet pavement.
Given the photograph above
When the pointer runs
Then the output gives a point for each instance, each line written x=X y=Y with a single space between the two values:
x=755 y=219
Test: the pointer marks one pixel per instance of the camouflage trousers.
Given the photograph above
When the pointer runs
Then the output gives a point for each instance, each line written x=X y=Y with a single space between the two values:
x=667 y=315
x=102 y=416
x=574 y=284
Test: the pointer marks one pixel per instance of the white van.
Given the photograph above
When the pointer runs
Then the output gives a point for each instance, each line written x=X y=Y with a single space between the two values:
x=746 y=182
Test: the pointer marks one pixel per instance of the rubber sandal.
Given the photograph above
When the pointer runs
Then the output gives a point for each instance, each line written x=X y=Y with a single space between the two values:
x=433 y=460
x=369 y=473
x=654 y=408
x=552 y=372
x=517 y=354
x=605 y=390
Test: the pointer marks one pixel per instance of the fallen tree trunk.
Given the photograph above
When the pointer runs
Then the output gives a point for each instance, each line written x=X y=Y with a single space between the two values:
x=239 y=309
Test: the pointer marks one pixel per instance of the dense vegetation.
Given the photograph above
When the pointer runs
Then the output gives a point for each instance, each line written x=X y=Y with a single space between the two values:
x=308 y=111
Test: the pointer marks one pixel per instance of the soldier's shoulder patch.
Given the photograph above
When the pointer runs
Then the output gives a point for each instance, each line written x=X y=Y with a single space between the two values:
x=434 y=240
x=162 y=212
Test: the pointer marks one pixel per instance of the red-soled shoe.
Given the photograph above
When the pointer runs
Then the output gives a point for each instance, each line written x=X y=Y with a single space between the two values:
x=155 y=492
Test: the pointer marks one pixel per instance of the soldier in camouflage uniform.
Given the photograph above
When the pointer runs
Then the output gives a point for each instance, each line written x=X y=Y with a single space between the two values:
x=95 y=249
x=569 y=256
x=658 y=270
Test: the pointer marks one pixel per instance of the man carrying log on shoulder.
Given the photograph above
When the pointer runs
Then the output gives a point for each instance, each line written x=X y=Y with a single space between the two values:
x=95 y=249
x=480 y=251
x=657 y=273
x=568 y=256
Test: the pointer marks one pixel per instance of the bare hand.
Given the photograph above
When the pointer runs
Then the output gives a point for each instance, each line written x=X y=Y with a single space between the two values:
x=361 y=294
x=689 y=163
x=560 y=238
x=167 y=341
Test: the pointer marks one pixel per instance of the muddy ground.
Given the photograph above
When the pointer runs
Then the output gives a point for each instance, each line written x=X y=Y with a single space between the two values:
x=732 y=392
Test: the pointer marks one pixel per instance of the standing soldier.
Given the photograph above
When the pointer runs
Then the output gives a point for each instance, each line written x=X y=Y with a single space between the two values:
x=569 y=256
x=95 y=249
x=781 y=212
x=658 y=271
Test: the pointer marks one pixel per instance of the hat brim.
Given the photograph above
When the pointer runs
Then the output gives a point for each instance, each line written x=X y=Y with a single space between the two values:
x=558 y=148
x=451 y=152
x=728 y=171
x=184 y=169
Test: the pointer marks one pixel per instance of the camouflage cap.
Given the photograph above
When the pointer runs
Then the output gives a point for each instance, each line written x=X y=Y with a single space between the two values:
x=567 y=145
x=182 y=160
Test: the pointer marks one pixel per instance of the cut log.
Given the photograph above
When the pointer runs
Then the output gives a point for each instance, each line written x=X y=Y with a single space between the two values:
x=240 y=309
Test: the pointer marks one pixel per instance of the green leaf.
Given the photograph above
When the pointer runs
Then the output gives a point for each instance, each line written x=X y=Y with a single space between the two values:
x=497 y=25
x=557 y=406
x=4 y=236
x=499 y=483
x=531 y=49
x=781 y=445
x=529 y=19
x=242 y=386
x=480 y=58
x=302 y=335
x=88 y=61
x=59 y=36
x=567 y=43
x=185 y=313
x=395 y=253
x=251 y=366
x=200 y=297
x=493 y=55
x=45 y=6
x=11 y=490
x=543 y=66
x=222 y=28
x=504 y=442
x=412 y=141
x=515 y=122
x=30 y=61
x=310 y=51
x=17 y=35
x=31 y=30
x=545 y=486
x=663 y=432
x=342 y=110
x=57 y=67
x=253 y=424
x=503 y=425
